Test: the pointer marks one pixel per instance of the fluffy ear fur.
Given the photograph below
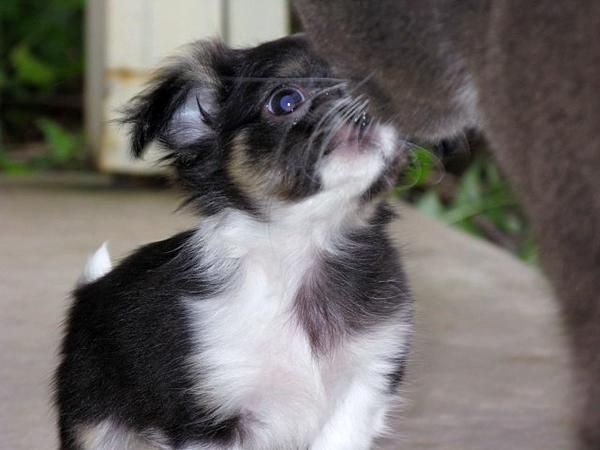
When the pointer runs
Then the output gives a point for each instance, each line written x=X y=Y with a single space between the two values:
x=179 y=104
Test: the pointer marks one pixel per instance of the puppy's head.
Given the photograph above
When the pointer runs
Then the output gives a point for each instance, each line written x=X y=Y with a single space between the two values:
x=248 y=127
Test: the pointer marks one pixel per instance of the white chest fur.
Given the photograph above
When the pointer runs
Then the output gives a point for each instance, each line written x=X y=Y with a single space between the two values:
x=255 y=359
x=256 y=355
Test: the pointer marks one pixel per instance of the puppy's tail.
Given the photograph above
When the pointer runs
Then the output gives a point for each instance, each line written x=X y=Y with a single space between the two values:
x=97 y=265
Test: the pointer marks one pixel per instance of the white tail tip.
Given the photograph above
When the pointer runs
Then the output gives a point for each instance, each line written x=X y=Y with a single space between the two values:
x=97 y=265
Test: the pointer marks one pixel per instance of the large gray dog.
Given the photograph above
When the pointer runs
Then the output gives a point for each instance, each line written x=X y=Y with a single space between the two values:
x=526 y=73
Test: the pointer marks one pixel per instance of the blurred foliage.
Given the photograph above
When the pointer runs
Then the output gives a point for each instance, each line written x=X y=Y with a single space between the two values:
x=41 y=69
x=62 y=144
x=477 y=200
x=62 y=150
x=41 y=45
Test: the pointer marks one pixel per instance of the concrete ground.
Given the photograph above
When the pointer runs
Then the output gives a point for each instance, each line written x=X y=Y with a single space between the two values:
x=488 y=371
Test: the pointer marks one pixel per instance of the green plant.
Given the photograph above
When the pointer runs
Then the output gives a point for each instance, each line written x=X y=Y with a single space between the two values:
x=41 y=44
x=63 y=145
x=41 y=67
x=479 y=201
x=62 y=151
x=12 y=167
x=422 y=162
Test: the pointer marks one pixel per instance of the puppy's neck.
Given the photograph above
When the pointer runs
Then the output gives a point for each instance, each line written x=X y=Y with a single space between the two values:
x=293 y=230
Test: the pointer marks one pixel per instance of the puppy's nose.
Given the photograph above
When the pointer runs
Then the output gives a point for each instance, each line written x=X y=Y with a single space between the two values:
x=357 y=130
x=362 y=119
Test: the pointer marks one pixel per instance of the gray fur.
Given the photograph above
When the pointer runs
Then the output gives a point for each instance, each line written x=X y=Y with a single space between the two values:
x=529 y=74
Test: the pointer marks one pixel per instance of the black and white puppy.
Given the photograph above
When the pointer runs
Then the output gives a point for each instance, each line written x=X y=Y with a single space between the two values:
x=282 y=321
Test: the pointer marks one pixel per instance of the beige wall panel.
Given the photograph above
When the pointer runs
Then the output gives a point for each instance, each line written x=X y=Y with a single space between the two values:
x=254 y=21
x=140 y=33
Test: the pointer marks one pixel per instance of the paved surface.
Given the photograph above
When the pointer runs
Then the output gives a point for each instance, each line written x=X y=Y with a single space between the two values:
x=488 y=371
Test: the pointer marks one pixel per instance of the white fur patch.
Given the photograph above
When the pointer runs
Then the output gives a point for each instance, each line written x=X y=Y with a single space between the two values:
x=187 y=124
x=97 y=265
x=107 y=435
x=355 y=171
x=258 y=359
x=359 y=414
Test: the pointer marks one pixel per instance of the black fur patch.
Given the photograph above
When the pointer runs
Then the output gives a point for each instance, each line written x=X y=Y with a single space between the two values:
x=127 y=345
x=354 y=289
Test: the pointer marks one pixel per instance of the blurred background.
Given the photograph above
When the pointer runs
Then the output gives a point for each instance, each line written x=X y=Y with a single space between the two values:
x=67 y=66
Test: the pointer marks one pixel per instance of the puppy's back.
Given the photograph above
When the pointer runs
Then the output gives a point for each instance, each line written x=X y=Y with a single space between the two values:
x=125 y=346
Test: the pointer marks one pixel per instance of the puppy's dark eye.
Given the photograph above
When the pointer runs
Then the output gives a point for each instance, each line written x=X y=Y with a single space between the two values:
x=285 y=101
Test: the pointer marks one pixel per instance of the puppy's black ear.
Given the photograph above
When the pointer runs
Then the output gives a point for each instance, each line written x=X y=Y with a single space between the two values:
x=179 y=106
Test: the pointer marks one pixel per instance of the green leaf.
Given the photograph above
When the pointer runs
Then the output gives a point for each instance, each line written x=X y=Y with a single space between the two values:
x=529 y=252
x=469 y=190
x=469 y=227
x=29 y=68
x=421 y=163
x=14 y=167
x=11 y=167
x=63 y=145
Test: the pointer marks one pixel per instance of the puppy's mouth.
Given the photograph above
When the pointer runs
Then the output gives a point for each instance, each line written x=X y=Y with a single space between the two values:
x=355 y=136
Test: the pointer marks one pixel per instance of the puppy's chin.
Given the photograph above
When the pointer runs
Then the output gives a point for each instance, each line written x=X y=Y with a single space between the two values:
x=358 y=158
